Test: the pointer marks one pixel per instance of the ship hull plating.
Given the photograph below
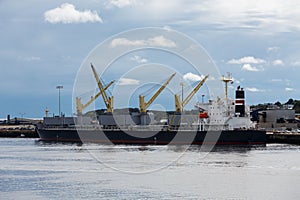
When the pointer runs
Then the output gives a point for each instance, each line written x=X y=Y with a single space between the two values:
x=163 y=137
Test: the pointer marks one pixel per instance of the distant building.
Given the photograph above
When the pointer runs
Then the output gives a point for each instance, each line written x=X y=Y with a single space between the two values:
x=288 y=106
x=275 y=117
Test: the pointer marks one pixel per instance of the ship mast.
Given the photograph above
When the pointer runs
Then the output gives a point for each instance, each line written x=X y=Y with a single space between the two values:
x=227 y=80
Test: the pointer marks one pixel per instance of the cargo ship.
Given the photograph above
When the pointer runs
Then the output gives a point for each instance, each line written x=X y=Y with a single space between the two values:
x=218 y=122
x=211 y=128
x=161 y=137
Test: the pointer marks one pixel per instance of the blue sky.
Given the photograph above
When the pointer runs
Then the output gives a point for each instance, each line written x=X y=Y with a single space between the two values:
x=44 y=45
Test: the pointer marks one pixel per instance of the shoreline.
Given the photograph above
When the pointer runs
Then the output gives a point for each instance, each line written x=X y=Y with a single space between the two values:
x=18 y=131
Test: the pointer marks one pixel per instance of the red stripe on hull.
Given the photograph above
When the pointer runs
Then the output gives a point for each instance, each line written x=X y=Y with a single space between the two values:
x=141 y=142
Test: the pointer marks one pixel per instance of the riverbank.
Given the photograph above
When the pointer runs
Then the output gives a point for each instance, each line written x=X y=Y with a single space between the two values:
x=15 y=131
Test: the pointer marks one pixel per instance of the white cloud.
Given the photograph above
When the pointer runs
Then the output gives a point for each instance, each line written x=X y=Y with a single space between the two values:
x=253 y=89
x=138 y=59
x=128 y=81
x=273 y=49
x=278 y=62
x=296 y=63
x=192 y=77
x=30 y=58
x=67 y=14
x=121 y=3
x=276 y=80
x=33 y=58
x=160 y=41
x=248 y=67
x=247 y=60
x=125 y=42
x=211 y=78
x=266 y=16
x=289 y=89
x=167 y=28
x=235 y=80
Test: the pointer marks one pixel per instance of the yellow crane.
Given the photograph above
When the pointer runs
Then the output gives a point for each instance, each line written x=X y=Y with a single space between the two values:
x=144 y=105
x=80 y=107
x=107 y=100
x=179 y=105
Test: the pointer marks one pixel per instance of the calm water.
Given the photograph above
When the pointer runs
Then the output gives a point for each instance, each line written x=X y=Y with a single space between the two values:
x=35 y=170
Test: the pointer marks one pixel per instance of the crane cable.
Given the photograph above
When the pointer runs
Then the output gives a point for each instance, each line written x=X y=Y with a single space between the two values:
x=187 y=87
x=93 y=92
x=153 y=88
x=104 y=85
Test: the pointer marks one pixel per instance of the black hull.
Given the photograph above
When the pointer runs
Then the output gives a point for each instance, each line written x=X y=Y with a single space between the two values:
x=228 y=137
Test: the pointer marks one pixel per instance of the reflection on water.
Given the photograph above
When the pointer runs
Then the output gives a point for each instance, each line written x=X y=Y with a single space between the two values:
x=30 y=169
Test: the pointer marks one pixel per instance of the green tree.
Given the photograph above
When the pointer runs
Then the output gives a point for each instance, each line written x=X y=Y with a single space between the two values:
x=278 y=103
x=290 y=101
x=297 y=106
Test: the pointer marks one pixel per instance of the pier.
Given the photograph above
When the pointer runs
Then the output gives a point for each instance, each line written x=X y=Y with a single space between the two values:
x=15 y=131
x=283 y=137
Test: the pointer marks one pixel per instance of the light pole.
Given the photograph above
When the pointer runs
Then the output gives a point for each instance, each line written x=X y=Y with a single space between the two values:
x=181 y=84
x=203 y=98
x=59 y=87
x=22 y=115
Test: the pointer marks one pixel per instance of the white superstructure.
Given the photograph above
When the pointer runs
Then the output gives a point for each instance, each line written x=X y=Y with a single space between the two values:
x=225 y=114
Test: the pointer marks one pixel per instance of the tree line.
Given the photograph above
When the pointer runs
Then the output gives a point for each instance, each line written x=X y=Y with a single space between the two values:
x=294 y=103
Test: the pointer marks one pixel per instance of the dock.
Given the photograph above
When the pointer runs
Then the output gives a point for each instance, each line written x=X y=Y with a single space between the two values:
x=283 y=137
x=15 y=131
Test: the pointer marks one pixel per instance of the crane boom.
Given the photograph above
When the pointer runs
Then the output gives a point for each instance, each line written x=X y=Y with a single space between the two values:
x=80 y=107
x=107 y=100
x=144 y=105
x=179 y=105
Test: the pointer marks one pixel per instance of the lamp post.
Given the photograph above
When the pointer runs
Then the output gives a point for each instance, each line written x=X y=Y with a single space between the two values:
x=22 y=115
x=59 y=87
x=182 y=85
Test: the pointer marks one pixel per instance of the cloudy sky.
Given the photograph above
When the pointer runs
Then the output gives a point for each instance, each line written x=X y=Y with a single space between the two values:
x=44 y=43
